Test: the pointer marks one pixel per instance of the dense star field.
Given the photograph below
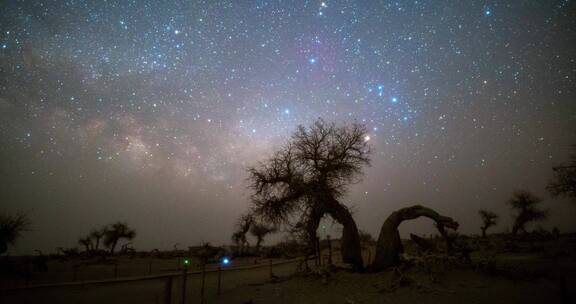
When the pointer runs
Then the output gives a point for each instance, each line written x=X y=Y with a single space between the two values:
x=150 y=111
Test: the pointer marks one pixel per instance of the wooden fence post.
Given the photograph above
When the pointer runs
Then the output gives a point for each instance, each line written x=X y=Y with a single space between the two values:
x=329 y=250
x=168 y=291
x=203 y=282
x=219 y=279
x=319 y=252
x=271 y=273
x=184 y=278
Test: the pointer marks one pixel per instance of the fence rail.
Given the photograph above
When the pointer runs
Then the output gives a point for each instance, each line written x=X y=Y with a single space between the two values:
x=152 y=277
x=198 y=286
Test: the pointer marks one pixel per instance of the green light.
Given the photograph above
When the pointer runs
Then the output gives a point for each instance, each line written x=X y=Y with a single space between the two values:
x=186 y=261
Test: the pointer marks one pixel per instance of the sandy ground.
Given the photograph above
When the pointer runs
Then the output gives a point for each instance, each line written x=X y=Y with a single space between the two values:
x=255 y=286
x=120 y=267
x=458 y=287
x=518 y=278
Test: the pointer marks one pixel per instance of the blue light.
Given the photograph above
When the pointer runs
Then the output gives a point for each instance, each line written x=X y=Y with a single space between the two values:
x=287 y=111
x=312 y=60
x=487 y=12
x=225 y=261
x=394 y=100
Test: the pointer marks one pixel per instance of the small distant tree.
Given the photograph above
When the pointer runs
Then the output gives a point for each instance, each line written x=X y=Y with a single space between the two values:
x=242 y=228
x=11 y=228
x=526 y=206
x=259 y=231
x=237 y=240
x=366 y=238
x=96 y=235
x=563 y=182
x=87 y=243
x=489 y=219
x=115 y=233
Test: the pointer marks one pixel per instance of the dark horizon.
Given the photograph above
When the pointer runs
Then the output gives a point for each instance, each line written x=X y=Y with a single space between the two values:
x=150 y=113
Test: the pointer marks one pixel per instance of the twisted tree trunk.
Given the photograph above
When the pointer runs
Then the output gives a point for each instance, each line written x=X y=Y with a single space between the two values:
x=389 y=246
x=350 y=246
x=311 y=226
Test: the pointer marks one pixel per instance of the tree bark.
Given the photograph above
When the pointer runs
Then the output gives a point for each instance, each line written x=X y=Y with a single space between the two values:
x=113 y=246
x=350 y=246
x=445 y=236
x=389 y=246
x=258 y=243
x=312 y=224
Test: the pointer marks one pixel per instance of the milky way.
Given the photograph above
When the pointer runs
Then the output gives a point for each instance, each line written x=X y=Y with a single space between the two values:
x=150 y=111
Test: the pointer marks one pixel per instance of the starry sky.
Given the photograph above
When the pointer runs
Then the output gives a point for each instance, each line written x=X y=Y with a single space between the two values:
x=150 y=111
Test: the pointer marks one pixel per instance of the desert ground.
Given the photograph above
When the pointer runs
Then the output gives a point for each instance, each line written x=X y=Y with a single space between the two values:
x=531 y=271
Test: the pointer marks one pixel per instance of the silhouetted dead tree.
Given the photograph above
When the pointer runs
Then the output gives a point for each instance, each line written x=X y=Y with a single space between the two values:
x=389 y=246
x=306 y=177
x=11 y=227
x=87 y=243
x=242 y=228
x=563 y=182
x=525 y=203
x=96 y=235
x=259 y=231
x=489 y=219
x=116 y=232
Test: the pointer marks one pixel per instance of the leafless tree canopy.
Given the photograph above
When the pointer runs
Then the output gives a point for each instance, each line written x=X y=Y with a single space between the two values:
x=305 y=178
x=489 y=219
x=116 y=232
x=323 y=158
x=260 y=230
x=11 y=227
x=242 y=228
x=526 y=205
x=563 y=182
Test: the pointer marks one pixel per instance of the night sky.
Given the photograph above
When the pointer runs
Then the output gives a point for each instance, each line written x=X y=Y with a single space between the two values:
x=150 y=112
